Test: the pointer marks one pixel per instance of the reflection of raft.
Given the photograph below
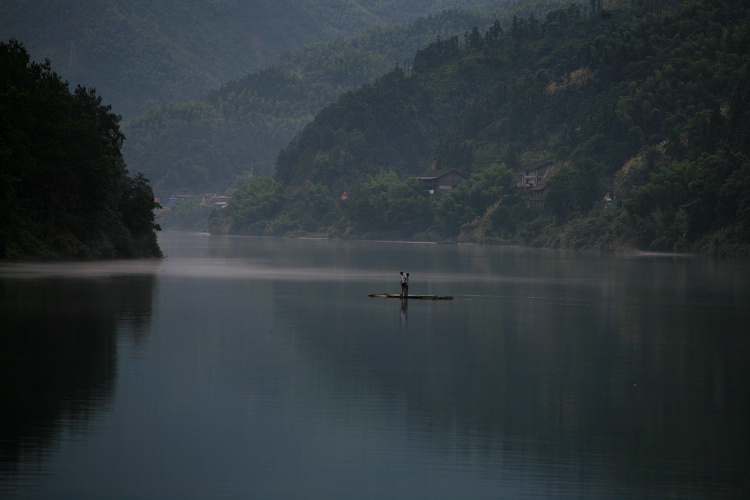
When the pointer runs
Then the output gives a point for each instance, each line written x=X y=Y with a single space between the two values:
x=421 y=297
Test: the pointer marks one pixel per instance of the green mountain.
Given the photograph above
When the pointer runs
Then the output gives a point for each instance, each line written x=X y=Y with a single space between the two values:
x=643 y=110
x=215 y=143
x=141 y=53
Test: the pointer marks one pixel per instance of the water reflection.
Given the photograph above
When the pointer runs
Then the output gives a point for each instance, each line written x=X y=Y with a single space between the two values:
x=266 y=371
x=404 y=312
x=627 y=366
x=58 y=351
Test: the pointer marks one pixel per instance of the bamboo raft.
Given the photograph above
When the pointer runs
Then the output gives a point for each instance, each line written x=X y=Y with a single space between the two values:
x=419 y=297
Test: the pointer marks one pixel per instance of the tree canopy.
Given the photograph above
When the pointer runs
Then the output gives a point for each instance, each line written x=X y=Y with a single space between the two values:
x=65 y=188
x=642 y=108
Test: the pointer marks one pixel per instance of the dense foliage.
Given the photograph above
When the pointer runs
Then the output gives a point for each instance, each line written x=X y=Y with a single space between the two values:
x=65 y=189
x=140 y=54
x=215 y=143
x=643 y=109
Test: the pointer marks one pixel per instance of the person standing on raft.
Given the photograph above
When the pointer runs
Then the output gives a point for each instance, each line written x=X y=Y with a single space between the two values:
x=404 y=284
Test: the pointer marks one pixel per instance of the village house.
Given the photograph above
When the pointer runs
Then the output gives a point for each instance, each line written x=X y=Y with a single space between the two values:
x=215 y=200
x=531 y=181
x=441 y=181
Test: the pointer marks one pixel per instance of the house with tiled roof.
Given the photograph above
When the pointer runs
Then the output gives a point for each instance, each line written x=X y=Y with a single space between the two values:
x=531 y=181
x=440 y=181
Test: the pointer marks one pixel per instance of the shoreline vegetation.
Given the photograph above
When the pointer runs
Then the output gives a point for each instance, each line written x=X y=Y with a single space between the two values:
x=622 y=250
x=597 y=126
x=66 y=193
x=641 y=115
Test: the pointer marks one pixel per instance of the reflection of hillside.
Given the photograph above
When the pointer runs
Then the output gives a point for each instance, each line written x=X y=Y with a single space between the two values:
x=680 y=360
x=611 y=369
x=58 y=353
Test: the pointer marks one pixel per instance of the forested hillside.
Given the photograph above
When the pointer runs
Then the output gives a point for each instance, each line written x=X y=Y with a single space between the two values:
x=65 y=189
x=642 y=107
x=138 y=54
x=213 y=144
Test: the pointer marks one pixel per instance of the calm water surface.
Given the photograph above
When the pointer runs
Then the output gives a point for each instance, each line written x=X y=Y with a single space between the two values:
x=260 y=368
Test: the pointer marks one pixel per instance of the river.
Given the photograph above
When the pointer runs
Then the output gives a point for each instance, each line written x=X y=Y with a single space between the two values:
x=243 y=367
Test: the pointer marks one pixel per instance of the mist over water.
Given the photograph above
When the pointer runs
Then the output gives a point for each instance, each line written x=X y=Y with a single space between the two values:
x=260 y=368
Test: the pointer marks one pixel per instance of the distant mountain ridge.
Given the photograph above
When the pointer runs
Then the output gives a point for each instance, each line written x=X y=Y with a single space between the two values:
x=216 y=143
x=140 y=53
